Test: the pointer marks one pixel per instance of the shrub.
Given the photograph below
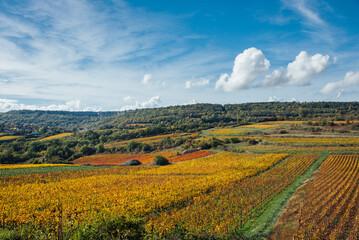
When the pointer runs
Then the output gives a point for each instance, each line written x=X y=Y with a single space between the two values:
x=160 y=160
x=132 y=162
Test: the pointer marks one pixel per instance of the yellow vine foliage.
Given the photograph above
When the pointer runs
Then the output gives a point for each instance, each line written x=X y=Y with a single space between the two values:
x=61 y=135
x=314 y=140
x=6 y=138
x=227 y=131
x=261 y=126
x=81 y=196
x=330 y=208
x=285 y=148
x=229 y=206
x=157 y=138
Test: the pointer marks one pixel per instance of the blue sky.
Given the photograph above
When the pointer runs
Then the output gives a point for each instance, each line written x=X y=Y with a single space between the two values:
x=119 y=55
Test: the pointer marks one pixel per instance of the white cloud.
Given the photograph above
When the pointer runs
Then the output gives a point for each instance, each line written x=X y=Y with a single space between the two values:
x=350 y=79
x=11 y=104
x=91 y=51
x=129 y=99
x=276 y=78
x=314 y=25
x=299 y=72
x=306 y=67
x=191 y=102
x=200 y=83
x=274 y=99
x=152 y=102
x=247 y=67
x=146 y=79
x=303 y=9
x=340 y=94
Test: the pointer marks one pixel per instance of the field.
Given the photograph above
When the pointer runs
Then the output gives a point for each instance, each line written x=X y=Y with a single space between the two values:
x=116 y=159
x=227 y=132
x=228 y=207
x=9 y=138
x=237 y=189
x=61 y=135
x=314 y=140
x=50 y=168
x=331 y=205
x=151 y=139
x=264 y=126
x=120 y=190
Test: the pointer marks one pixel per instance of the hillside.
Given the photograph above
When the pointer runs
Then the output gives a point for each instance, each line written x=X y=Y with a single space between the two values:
x=188 y=114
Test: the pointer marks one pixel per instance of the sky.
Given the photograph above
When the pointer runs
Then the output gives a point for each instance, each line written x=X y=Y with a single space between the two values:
x=103 y=55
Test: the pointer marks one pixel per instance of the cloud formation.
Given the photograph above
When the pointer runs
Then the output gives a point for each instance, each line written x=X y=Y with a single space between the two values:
x=310 y=16
x=11 y=104
x=150 y=103
x=200 y=83
x=247 y=67
x=55 y=50
x=299 y=72
x=274 y=99
x=350 y=79
x=129 y=99
x=146 y=79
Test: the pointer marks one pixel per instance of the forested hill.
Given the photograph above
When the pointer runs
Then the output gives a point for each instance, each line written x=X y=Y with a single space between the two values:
x=198 y=114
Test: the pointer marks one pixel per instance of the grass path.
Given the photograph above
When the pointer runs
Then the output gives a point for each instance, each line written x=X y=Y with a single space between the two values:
x=261 y=227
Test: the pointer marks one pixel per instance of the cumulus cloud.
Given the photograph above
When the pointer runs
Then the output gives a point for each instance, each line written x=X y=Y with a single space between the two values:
x=247 y=67
x=12 y=104
x=299 y=72
x=152 y=102
x=200 y=83
x=274 y=99
x=146 y=79
x=350 y=79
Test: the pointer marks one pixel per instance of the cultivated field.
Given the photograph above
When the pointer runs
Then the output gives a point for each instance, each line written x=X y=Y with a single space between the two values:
x=331 y=205
x=236 y=188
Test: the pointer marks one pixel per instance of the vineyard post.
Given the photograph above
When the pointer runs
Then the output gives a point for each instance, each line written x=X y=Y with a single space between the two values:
x=60 y=222
x=241 y=215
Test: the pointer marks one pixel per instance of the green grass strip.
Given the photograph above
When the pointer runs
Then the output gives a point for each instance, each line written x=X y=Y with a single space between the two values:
x=25 y=171
x=261 y=227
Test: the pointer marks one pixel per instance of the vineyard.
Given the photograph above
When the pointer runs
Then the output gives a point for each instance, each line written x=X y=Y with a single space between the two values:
x=7 y=138
x=152 y=139
x=41 y=198
x=261 y=126
x=233 y=182
x=228 y=207
x=116 y=159
x=57 y=136
x=331 y=205
x=227 y=132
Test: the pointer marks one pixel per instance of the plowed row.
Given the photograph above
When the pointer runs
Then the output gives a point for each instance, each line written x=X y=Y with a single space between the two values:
x=331 y=206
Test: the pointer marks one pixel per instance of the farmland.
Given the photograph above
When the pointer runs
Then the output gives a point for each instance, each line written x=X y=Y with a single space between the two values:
x=7 y=138
x=227 y=182
x=61 y=135
x=330 y=208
